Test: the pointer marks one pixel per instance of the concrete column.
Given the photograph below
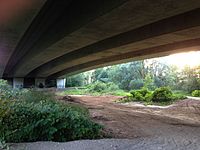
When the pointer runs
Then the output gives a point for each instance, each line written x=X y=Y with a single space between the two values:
x=60 y=83
x=39 y=82
x=18 y=82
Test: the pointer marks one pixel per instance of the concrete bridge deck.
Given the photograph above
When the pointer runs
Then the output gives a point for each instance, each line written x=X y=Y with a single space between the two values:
x=46 y=39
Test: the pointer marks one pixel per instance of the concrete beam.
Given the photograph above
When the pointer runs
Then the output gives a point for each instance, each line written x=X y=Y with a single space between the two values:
x=163 y=50
x=57 y=19
x=174 y=29
x=14 y=21
x=92 y=24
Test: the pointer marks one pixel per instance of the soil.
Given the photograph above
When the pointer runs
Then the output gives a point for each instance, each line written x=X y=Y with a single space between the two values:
x=133 y=120
x=133 y=126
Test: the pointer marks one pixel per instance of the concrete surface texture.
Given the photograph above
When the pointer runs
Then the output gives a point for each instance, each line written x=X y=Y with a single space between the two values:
x=48 y=39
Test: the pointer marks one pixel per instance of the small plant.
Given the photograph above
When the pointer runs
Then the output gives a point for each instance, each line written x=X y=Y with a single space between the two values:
x=3 y=145
x=141 y=95
x=196 y=93
x=162 y=94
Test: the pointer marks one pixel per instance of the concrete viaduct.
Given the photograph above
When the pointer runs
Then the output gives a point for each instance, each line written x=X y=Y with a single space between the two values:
x=42 y=40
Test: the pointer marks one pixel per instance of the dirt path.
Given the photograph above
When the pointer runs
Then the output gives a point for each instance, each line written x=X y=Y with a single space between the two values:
x=131 y=120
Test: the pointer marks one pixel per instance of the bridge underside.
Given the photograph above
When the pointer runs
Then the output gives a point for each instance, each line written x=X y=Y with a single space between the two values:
x=48 y=39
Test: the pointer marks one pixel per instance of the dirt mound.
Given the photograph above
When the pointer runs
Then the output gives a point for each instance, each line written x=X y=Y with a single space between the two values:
x=132 y=120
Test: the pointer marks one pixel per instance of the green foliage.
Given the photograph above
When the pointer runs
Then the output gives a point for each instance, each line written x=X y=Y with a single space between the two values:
x=116 y=93
x=36 y=116
x=75 y=92
x=35 y=96
x=101 y=75
x=178 y=97
x=97 y=87
x=162 y=94
x=7 y=92
x=75 y=80
x=126 y=75
x=149 y=82
x=112 y=87
x=136 y=84
x=151 y=73
x=46 y=121
x=97 y=90
x=196 y=93
x=189 y=79
x=141 y=95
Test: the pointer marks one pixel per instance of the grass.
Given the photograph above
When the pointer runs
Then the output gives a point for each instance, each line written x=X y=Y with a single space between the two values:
x=74 y=92
x=93 y=93
x=179 y=92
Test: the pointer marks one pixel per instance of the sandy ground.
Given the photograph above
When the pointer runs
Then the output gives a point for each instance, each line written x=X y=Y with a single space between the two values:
x=135 y=126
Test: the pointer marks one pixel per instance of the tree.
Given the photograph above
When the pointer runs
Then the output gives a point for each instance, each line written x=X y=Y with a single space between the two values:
x=75 y=80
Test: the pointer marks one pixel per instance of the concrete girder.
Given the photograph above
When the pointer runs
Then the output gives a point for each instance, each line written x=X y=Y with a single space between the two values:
x=109 y=18
x=171 y=30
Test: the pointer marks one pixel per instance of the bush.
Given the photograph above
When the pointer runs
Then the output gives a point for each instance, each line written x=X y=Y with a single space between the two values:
x=141 y=95
x=7 y=92
x=97 y=87
x=112 y=87
x=37 y=96
x=178 y=97
x=162 y=94
x=196 y=93
x=37 y=117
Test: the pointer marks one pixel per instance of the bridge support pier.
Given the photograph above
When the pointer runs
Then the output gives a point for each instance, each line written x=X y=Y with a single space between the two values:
x=60 y=83
x=18 y=82
x=39 y=82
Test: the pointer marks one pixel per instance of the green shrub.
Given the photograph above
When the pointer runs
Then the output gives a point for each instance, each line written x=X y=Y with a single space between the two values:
x=98 y=87
x=7 y=92
x=141 y=95
x=112 y=87
x=178 y=97
x=137 y=96
x=37 y=96
x=148 y=97
x=37 y=117
x=162 y=94
x=196 y=93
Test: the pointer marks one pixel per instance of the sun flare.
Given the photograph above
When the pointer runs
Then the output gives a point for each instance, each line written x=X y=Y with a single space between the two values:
x=191 y=59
